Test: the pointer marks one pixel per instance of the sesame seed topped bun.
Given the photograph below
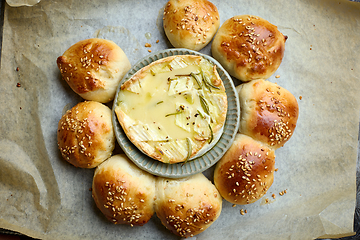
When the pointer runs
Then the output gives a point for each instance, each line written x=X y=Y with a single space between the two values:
x=124 y=193
x=187 y=206
x=190 y=24
x=93 y=68
x=85 y=134
x=246 y=171
x=249 y=47
x=269 y=112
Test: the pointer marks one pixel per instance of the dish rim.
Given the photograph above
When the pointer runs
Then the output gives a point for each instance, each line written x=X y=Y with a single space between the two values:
x=201 y=163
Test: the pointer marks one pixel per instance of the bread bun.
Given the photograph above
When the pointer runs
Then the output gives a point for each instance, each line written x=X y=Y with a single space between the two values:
x=246 y=171
x=85 y=134
x=249 y=47
x=124 y=193
x=190 y=24
x=268 y=112
x=93 y=68
x=187 y=206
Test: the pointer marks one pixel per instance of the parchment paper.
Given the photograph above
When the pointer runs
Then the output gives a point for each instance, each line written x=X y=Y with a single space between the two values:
x=18 y=3
x=43 y=196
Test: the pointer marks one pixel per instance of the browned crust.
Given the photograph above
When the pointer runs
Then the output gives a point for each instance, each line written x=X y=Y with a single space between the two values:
x=190 y=24
x=118 y=197
x=216 y=80
x=187 y=221
x=82 y=134
x=273 y=117
x=78 y=64
x=196 y=206
x=249 y=47
x=245 y=172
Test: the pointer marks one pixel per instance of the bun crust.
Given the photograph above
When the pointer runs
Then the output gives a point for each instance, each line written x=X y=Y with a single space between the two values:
x=249 y=47
x=93 y=68
x=124 y=193
x=85 y=134
x=190 y=24
x=269 y=112
x=187 y=206
x=246 y=171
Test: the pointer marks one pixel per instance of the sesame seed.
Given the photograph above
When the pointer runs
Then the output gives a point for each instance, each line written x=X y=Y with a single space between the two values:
x=242 y=212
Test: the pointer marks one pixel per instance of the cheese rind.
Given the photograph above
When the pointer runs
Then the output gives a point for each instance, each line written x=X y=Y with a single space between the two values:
x=171 y=101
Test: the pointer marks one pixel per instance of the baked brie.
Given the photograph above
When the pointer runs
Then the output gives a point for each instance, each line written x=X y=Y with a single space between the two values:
x=173 y=109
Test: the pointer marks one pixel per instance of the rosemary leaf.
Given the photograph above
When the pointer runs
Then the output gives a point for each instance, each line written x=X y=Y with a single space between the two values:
x=188 y=141
x=182 y=75
x=175 y=113
x=208 y=82
x=196 y=77
x=201 y=115
x=212 y=134
x=204 y=105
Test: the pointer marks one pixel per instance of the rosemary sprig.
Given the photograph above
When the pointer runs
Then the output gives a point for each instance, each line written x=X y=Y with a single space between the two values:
x=197 y=79
x=208 y=82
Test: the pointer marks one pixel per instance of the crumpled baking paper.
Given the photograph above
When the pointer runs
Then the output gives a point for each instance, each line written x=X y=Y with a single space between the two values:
x=43 y=196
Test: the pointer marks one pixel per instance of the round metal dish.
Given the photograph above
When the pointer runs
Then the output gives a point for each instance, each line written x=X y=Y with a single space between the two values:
x=201 y=163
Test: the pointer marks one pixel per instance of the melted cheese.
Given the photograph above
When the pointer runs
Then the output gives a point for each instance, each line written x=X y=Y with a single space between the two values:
x=167 y=106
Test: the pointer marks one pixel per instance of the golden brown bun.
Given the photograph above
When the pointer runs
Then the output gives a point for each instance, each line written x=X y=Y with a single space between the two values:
x=249 y=47
x=268 y=112
x=93 y=68
x=190 y=24
x=124 y=193
x=85 y=134
x=246 y=171
x=187 y=206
